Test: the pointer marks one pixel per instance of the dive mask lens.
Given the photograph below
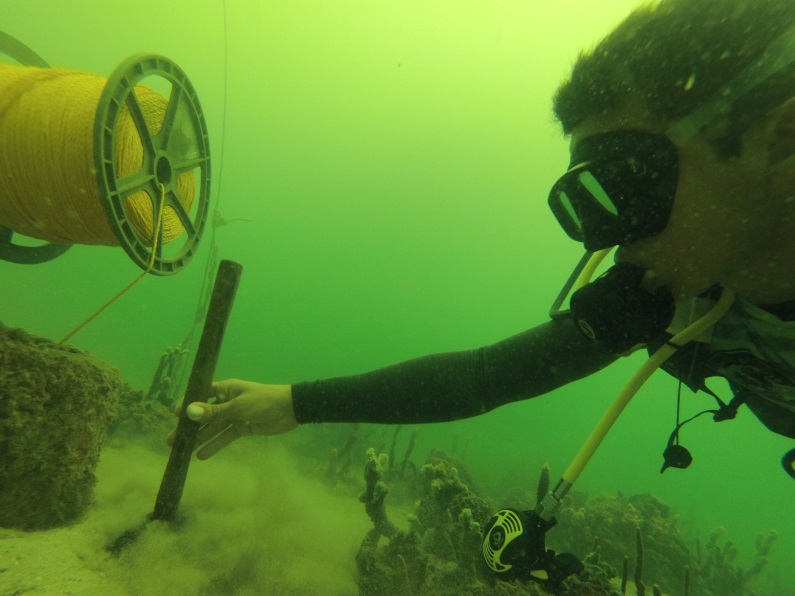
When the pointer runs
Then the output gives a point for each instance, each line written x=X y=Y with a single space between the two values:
x=620 y=187
x=564 y=210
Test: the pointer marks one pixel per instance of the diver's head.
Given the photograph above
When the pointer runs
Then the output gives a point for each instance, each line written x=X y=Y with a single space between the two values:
x=670 y=57
x=683 y=145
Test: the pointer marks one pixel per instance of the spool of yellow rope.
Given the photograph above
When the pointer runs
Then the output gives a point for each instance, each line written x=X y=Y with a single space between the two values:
x=48 y=187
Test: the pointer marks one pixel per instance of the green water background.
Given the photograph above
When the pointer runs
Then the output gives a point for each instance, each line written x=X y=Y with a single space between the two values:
x=394 y=158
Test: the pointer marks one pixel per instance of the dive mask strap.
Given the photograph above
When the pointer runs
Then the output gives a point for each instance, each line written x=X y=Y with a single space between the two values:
x=777 y=56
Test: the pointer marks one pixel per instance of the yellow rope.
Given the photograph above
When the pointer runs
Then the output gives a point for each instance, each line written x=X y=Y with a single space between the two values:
x=48 y=187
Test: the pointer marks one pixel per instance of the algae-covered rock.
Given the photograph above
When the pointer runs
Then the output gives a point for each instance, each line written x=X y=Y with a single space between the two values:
x=56 y=403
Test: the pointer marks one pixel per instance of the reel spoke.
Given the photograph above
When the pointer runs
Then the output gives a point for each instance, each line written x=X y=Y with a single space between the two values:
x=190 y=164
x=137 y=115
x=136 y=181
x=172 y=200
x=170 y=119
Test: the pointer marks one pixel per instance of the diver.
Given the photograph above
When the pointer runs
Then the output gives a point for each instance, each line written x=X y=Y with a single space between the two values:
x=682 y=137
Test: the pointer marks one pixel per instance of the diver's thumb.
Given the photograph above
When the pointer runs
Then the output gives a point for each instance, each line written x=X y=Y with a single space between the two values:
x=199 y=412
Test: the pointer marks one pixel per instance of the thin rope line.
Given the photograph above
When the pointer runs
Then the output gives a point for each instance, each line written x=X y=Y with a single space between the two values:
x=212 y=257
x=156 y=236
x=209 y=268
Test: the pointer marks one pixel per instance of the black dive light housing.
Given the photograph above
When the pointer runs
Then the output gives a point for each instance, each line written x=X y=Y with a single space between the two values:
x=618 y=313
x=513 y=547
x=514 y=543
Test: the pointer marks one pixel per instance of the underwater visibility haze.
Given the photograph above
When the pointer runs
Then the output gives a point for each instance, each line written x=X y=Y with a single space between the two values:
x=380 y=170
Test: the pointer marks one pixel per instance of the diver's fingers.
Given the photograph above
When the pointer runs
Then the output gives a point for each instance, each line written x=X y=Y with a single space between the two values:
x=217 y=413
x=222 y=391
x=209 y=416
x=209 y=431
x=205 y=432
x=227 y=390
x=221 y=440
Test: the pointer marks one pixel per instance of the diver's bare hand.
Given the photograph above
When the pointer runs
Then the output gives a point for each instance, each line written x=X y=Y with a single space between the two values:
x=241 y=408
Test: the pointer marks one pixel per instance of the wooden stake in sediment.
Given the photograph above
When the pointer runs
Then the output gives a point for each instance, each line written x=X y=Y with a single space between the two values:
x=199 y=384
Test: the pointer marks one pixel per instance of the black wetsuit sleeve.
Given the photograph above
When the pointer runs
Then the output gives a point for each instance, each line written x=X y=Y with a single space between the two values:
x=455 y=385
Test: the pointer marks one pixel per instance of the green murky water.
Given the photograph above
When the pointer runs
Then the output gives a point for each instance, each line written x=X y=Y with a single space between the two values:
x=393 y=159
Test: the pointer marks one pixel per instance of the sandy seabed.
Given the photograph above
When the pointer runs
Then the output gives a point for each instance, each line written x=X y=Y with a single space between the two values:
x=252 y=524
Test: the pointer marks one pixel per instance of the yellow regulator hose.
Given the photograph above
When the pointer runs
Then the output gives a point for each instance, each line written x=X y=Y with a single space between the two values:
x=48 y=187
x=644 y=372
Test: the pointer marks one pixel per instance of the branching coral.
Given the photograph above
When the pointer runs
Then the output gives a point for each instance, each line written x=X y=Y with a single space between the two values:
x=375 y=493
x=719 y=572
x=614 y=520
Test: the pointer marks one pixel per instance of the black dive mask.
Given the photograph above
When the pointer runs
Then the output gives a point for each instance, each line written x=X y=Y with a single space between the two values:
x=619 y=188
